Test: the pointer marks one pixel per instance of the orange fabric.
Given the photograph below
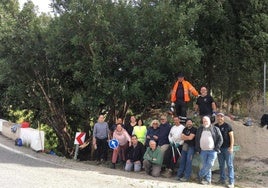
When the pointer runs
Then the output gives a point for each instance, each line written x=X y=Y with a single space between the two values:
x=187 y=87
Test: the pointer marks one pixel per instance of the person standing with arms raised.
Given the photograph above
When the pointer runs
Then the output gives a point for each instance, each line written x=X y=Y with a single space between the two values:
x=180 y=97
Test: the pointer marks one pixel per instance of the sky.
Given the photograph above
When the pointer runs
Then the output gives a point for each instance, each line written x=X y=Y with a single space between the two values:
x=43 y=5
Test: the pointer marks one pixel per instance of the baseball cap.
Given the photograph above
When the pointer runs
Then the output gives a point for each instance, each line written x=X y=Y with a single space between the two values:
x=220 y=114
x=180 y=75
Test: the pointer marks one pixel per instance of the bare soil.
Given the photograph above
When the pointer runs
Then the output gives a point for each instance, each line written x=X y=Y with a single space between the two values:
x=251 y=161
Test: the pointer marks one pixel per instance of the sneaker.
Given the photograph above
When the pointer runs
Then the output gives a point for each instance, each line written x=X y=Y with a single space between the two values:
x=204 y=182
x=230 y=186
x=221 y=182
x=184 y=179
x=199 y=179
x=167 y=173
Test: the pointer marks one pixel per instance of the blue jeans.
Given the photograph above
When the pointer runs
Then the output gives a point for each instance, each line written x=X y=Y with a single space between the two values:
x=226 y=156
x=130 y=165
x=208 y=158
x=186 y=163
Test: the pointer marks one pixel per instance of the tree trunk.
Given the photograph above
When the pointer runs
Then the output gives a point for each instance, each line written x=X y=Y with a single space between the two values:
x=57 y=120
x=59 y=124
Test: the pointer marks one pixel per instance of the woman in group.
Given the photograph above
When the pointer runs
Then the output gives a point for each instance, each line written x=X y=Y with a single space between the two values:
x=140 y=131
x=124 y=140
x=132 y=123
x=153 y=132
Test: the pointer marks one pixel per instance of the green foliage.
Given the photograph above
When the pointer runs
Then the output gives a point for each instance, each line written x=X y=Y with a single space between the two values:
x=51 y=139
x=111 y=57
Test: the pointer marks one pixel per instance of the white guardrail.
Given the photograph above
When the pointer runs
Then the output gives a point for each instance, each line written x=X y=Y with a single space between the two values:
x=30 y=137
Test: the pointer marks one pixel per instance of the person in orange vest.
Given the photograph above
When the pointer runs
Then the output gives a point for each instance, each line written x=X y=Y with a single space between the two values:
x=180 y=97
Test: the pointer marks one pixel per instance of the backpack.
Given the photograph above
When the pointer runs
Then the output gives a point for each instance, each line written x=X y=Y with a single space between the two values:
x=264 y=120
x=18 y=142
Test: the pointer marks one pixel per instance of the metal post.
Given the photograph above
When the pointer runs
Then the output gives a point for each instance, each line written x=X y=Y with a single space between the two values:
x=76 y=151
x=264 y=88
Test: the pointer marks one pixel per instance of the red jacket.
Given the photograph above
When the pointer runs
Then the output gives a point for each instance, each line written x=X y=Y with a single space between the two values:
x=187 y=87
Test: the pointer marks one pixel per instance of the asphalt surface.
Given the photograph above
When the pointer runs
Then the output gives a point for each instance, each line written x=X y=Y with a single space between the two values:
x=22 y=167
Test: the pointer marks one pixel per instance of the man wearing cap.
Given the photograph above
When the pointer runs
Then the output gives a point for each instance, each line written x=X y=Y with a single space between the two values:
x=180 y=96
x=226 y=155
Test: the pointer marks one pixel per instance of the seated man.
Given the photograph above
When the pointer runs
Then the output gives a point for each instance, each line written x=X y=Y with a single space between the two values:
x=153 y=159
x=134 y=155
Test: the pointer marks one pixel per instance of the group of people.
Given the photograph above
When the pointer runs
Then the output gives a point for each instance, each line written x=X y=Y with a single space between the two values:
x=160 y=147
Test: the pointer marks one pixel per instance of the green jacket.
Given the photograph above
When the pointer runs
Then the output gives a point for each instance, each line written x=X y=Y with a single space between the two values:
x=155 y=157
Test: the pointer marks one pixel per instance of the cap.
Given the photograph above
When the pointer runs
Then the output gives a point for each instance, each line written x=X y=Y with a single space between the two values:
x=220 y=114
x=180 y=75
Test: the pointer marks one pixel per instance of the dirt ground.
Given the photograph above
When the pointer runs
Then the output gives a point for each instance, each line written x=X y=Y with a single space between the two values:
x=251 y=161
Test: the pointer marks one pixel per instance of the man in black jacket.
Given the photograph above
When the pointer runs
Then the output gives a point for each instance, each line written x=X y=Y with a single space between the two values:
x=135 y=154
x=208 y=141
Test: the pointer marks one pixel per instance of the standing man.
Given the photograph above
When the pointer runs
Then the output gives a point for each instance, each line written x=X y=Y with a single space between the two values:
x=100 y=139
x=164 y=129
x=180 y=96
x=205 y=104
x=172 y=154
x=187 y=153
x=208 y=141
x=226 y=155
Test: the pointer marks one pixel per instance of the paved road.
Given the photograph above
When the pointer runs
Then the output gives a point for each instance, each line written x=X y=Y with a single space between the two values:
x=21 y=167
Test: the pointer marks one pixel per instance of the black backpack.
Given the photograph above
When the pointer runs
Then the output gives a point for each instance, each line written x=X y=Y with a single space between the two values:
x=264 y=120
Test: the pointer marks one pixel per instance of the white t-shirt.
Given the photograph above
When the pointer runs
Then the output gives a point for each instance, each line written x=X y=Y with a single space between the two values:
x=175 y=134
x=206 y=140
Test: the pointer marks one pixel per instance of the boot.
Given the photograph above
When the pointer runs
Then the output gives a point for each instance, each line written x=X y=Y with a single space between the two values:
x=113 y=166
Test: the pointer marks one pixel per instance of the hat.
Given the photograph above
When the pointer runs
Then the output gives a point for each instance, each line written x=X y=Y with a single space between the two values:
x=180 y=75
x=220 y=114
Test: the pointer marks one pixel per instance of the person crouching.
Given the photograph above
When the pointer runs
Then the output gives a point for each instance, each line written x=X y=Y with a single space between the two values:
x=153 y=159
x=134 y=155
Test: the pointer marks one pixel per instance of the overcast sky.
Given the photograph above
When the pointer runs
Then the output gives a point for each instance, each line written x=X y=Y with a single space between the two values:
x=43 y=5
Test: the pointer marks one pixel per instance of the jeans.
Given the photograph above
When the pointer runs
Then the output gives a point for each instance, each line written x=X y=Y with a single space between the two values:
x=186 y=163
x=226 y=156
x=129 y=166
x=208 y=158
